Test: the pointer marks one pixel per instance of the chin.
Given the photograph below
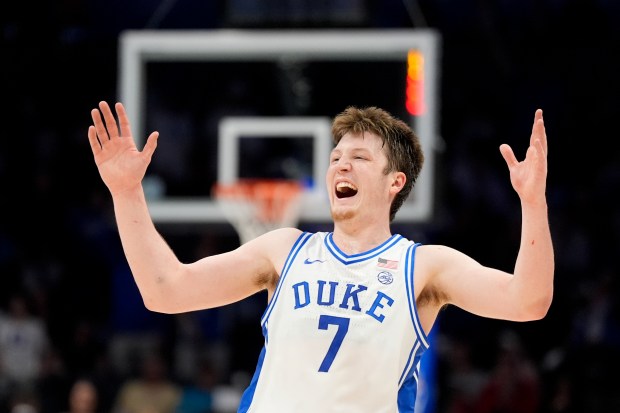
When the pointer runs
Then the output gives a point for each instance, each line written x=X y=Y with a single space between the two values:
x=342 y=214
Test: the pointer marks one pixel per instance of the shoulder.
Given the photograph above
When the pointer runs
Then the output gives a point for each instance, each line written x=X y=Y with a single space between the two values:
x=438 y=261
x=281 y=238
x=436 y=265
x=275 y=239
x=273 y=246
x=447 y=270
x=437 y=256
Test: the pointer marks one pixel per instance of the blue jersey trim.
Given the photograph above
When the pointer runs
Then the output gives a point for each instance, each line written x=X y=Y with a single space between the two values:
x=303 y=238
x=421 y=344
x=248 y=394
x=354 y=258
x=407 y=395
x=413 y=310
x=410 y=362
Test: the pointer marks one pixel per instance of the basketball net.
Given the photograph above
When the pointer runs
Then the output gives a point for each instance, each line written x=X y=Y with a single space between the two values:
x=256 y=206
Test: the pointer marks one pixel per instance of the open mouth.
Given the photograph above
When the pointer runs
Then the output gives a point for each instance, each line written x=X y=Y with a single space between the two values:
x=345 y=190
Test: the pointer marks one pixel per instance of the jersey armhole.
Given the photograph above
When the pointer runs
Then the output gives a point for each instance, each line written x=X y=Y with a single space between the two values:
x=299 y=243
x=409 y=282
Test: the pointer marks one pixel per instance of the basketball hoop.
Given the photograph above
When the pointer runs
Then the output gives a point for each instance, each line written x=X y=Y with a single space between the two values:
x=256 y=206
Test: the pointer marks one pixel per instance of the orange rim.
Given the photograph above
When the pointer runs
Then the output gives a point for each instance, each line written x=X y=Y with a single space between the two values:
x=271 y=196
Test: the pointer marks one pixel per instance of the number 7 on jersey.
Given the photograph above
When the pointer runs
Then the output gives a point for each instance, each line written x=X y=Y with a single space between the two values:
x=343 y=326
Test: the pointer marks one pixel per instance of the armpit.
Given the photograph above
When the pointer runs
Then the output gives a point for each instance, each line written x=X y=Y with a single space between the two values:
x=267 y=280
x=431 y=297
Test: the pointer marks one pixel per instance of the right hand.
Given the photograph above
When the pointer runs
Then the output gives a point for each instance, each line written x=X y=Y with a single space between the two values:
x=121 y=165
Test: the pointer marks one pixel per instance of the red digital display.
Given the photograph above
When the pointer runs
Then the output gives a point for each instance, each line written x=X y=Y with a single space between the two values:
x=415 y=83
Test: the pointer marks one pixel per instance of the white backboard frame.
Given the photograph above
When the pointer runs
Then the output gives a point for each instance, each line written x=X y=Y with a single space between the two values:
x=314 y=205
x=139 y=47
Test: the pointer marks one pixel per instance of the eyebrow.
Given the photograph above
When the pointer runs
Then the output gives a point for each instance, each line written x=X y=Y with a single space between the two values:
x=353 y=151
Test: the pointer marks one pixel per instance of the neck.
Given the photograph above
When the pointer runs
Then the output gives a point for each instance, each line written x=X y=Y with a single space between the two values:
x=353 y=238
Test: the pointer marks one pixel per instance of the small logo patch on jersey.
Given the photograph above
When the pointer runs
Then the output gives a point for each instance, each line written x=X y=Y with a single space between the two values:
x=385 y=277
x=383 y=263
x=309 y=261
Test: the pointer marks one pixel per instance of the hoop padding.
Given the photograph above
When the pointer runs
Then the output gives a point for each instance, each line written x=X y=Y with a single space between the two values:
x=256 y=206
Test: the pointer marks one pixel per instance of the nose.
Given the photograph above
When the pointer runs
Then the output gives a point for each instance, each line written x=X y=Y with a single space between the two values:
x=344 y=164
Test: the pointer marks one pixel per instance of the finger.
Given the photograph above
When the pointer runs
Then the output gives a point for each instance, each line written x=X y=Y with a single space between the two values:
x=538 y=114
x=543 y=137
x=535 y=158
x=540 y=135
x=95 y=145
x=508 y=155
x=123 y=119
x=102 y=133
x=535 y=126
x=151 y=144
x=539 y=131
x=110 y=122
x=541 y=149
x=532 y=152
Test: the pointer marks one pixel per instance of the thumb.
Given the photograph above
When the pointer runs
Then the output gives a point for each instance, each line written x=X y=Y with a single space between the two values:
x=151 y=144
x=508 y=155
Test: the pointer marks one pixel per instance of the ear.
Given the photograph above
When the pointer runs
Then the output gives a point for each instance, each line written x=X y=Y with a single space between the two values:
x=398 y=182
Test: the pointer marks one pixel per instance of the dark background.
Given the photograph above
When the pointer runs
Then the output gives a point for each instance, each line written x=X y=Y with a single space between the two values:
x=500 y=61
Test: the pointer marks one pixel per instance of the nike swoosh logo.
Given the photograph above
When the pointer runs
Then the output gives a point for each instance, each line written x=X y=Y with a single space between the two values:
x=309 y=261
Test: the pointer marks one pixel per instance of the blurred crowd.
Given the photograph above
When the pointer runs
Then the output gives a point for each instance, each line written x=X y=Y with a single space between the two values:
x=74 y=335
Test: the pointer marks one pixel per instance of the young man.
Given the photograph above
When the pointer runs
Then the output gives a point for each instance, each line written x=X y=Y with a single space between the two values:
x=348 y=311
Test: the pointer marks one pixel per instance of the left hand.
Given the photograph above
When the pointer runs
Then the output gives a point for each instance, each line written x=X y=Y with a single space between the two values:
x=529 y=176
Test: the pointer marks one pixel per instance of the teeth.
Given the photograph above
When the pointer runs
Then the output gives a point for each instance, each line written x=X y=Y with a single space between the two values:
x=342 y=185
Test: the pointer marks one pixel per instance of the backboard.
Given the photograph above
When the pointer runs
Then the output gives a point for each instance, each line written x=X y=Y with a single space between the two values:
x=229 y=94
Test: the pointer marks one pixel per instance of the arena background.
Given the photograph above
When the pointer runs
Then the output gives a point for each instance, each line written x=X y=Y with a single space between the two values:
x=500 y=60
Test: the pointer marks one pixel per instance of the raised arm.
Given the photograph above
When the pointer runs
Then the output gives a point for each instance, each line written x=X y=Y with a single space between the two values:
x=166 y=284
x=525 y=294
x=534 y=268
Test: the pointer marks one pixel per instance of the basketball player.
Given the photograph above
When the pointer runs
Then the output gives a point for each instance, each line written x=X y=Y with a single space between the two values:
x=348 y=311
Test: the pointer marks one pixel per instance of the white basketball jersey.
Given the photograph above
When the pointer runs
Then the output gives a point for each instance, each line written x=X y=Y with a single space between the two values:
x=341 y=332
